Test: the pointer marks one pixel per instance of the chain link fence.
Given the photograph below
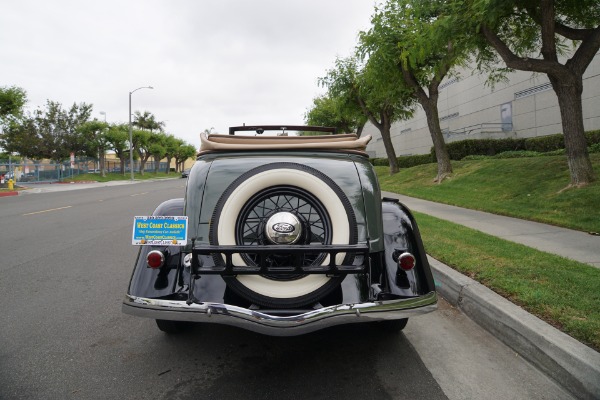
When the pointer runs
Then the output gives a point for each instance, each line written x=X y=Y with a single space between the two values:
x=47 y=172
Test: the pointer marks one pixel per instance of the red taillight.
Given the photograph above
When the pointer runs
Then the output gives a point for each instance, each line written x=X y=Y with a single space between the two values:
x=155 y=259
x=406 y=261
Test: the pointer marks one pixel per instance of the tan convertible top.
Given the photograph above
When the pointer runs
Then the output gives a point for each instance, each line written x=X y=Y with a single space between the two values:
x=346 y=143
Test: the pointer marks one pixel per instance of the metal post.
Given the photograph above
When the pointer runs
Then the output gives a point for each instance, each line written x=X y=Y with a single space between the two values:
x=130 y=133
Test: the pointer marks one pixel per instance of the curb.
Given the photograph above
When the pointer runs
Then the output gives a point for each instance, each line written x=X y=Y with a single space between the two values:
x=6 y=194
x=573 y=365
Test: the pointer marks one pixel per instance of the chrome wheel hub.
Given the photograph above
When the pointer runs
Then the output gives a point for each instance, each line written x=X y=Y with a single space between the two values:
x=283 y=228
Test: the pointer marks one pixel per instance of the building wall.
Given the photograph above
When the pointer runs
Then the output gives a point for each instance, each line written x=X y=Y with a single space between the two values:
x=470 y=109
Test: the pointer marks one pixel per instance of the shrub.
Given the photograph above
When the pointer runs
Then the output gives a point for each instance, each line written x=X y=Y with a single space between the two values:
x=593 y=137
x=475 y=157
x=544 y=144
x=517 y=154
x=553 y=144
x=411 y=161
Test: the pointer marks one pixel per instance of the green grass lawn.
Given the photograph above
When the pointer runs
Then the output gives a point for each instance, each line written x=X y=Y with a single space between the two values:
x=562 y=292
x=528 y=188
x=116 y=176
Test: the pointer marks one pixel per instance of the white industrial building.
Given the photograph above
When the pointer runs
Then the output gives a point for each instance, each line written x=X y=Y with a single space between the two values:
x=523 y=106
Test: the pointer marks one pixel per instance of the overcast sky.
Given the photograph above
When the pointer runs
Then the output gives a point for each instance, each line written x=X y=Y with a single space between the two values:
x=214 y=63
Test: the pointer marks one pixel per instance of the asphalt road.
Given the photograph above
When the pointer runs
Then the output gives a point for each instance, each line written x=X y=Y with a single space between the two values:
x=65 y=261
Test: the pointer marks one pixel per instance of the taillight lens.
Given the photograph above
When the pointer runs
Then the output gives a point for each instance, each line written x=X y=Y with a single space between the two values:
x=406 y=261
x=155 y=259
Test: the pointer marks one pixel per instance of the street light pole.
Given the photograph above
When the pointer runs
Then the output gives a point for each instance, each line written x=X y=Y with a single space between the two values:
x=130 y=133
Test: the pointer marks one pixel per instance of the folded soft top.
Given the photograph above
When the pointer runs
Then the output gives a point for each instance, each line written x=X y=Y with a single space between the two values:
x=345 y=142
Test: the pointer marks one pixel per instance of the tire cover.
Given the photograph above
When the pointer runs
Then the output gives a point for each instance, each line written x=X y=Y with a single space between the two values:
x=232 y=201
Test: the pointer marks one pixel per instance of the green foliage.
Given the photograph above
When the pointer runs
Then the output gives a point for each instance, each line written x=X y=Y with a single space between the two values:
x=51 y=132
x=531 y=188
x=405 y=161
x=517 y=154
x=335 y=112
x=147 y=121
x=595 y=148
x=549 y=145
x=564 y=292
x=12 y=101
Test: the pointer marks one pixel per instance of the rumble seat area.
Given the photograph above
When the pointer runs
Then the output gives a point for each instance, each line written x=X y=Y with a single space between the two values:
x=345 y=142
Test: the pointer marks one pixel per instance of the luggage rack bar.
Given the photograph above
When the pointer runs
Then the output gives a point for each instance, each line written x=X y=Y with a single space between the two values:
x=201 y=265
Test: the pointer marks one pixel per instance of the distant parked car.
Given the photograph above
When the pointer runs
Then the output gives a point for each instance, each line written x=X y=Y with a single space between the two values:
x=9 y=175
x=185 y=173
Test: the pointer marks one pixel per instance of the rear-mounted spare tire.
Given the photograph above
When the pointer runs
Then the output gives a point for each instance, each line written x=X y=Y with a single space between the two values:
x=297 y=195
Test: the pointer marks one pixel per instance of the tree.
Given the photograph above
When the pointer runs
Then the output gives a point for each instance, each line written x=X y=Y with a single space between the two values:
x=158 y=149
x=147 y=121
x=22 y=138
x=51 y=133
x=97 y=143
x=118 y=139
x=172 y=145
x=534 y=36
x=183 y=153
x=335 y=112
x=12 y=101
x=141 y=145
x=407 y=32
x=375 y=90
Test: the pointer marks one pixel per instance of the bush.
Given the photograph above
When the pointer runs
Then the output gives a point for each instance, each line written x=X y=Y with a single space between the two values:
x=475 y=157
x=595 y=148
x=411 y=161
x=517 y=154
x=593 y=137
x=552 y=144
x=404 y=161
x=484 y=147
x=545 y=144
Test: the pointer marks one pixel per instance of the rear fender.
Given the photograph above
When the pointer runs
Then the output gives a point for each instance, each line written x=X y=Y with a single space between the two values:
x=401 y=234
x=160 y=282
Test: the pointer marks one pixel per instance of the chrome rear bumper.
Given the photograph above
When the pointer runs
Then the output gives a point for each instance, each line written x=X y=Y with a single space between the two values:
x=277 y=325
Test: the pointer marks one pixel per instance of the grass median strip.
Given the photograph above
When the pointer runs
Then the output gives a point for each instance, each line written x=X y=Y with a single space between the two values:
x=562 y=292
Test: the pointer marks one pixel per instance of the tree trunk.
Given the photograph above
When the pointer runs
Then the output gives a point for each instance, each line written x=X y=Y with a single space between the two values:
x=384 y=128
x=360 y=129
x=169 y=165
x=571 y=112
x=102 y=162
x=156 y=165
x=441 y=152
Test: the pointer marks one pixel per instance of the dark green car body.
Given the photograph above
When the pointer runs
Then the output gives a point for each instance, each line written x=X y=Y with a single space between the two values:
x=200 y=282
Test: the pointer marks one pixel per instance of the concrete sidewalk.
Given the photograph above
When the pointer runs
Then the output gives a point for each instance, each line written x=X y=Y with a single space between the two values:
x=578 y=246
x=573 y=365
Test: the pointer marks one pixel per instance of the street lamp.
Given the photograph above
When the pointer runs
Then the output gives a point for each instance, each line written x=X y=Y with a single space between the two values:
x=130 y=134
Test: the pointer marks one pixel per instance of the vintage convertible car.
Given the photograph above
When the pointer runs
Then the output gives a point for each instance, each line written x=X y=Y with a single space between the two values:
x=286 y=235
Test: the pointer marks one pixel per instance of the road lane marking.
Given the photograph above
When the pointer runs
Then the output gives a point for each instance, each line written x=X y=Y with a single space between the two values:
x=44 y=211
x=137 y=194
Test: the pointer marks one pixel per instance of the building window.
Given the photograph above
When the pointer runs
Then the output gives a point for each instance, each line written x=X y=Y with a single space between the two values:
x=448 y=83
x=533 y=90
x=449 y=116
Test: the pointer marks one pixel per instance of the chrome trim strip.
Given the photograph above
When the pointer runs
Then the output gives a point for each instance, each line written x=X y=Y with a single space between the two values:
x=276 y=325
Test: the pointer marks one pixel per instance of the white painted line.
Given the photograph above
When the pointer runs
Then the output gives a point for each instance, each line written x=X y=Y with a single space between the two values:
x=44 y=211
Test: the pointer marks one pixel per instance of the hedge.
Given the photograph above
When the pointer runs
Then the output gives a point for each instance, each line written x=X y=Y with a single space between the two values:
x=491 y=147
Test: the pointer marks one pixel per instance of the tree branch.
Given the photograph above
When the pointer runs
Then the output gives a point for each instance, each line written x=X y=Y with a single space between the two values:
x=585 y=53
x=548 y=15
x=523 y=64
